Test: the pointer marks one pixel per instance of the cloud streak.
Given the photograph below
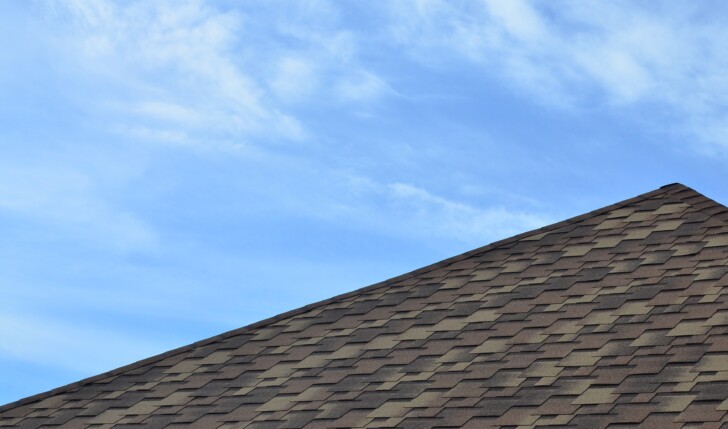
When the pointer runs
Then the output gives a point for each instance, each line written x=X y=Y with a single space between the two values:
x=406 y=210
x=452 y=219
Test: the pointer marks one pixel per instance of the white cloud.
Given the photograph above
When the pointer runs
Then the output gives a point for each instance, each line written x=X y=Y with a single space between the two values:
x=576 y=54
x=236 y=74
x=407 y=210
x=209 y=74
x=172 y=61
x=447 y=218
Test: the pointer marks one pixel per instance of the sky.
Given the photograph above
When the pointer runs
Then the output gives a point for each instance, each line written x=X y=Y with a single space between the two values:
x=171 y=170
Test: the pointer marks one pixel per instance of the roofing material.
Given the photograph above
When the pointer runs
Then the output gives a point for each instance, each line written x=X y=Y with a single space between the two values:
x=615 y=318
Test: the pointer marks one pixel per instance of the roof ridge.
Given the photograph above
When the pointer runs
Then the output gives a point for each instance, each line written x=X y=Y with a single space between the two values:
x=265 y=322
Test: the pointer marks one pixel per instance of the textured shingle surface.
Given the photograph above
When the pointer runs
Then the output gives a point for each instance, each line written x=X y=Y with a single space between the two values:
x=617 y=318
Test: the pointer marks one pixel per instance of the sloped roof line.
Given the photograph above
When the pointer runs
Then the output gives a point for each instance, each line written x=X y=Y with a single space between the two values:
x=692 y=194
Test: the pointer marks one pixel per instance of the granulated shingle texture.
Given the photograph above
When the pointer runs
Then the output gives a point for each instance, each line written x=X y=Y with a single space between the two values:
x=617 y=318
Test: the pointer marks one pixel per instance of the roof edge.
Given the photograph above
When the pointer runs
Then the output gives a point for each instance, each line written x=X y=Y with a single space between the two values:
x=238 y=331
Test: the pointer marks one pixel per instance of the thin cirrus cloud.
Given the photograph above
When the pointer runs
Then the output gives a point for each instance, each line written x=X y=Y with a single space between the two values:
x=203 y=70
x=457 y=219
x=214 y=64
x=585 y=55
x=408 y=210
x=171 y=62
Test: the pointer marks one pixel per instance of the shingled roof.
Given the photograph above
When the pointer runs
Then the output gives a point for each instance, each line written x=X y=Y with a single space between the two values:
x=616 y=318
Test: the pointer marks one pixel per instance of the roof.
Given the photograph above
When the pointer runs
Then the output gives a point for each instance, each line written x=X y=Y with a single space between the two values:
x=615 y=318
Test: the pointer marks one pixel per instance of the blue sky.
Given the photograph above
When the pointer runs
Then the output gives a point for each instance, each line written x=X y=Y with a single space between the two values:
x=173 y=170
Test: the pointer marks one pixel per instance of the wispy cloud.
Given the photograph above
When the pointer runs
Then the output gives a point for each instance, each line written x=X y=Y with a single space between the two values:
x=404 y=209
x=585 y=54
x=209 y=73
x=447 y=218
x=178 y=62
x=206 y=73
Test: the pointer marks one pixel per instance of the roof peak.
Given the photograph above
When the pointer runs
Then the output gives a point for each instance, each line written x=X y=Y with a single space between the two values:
x=674 y=185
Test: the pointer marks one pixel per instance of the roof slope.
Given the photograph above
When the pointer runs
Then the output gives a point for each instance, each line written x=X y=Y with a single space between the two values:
x=616 y=318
